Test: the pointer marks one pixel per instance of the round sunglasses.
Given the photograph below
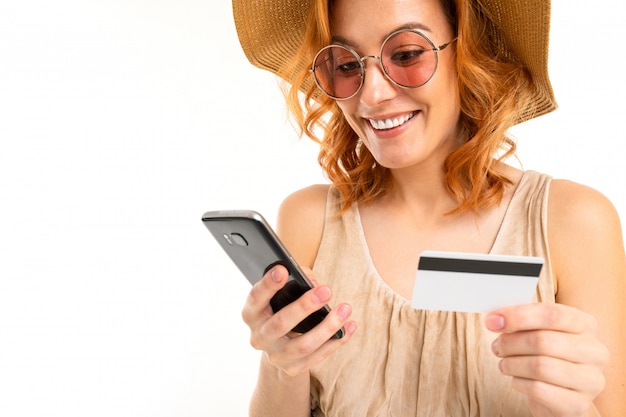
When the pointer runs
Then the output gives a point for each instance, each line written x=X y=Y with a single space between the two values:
x=407 y=58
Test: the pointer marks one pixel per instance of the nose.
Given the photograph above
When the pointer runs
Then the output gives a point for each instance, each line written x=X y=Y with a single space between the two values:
x=376 y=86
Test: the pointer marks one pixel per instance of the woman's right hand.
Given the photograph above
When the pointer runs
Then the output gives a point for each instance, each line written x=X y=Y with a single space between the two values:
x=270 y=332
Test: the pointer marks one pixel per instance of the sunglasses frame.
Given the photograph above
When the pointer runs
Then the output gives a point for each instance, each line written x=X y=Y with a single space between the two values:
x=378 y=58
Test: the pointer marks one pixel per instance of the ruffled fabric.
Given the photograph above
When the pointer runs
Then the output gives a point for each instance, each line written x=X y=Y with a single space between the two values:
x=406 y=362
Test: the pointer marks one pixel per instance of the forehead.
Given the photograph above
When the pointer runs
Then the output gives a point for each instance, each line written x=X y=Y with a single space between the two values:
x=359 y=20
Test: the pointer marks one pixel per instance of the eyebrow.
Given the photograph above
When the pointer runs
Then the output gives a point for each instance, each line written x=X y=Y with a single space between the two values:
x=410 y=25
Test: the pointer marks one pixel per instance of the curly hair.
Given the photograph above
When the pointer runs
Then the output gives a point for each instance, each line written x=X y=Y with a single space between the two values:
x=493 y=88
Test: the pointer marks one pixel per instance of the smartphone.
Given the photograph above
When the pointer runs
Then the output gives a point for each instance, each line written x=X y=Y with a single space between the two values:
x=251 y=243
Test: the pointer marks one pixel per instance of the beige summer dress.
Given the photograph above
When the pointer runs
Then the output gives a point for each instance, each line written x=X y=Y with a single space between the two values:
x=404 y=362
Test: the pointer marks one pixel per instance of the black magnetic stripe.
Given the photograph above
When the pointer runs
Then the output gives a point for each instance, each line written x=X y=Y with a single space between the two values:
x=480 y=267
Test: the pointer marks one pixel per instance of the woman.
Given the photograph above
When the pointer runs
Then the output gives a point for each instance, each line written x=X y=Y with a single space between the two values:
x=412 y=100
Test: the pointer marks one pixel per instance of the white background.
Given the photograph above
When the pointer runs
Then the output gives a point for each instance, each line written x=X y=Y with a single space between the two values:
x=121 y=122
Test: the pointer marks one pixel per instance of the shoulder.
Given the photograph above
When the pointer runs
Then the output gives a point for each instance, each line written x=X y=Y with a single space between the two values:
x=589 y=265
x=584 y=230
x=300 y=222
x=579 y=209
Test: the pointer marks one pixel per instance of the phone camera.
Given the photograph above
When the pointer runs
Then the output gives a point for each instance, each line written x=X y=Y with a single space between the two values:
x=235 y=239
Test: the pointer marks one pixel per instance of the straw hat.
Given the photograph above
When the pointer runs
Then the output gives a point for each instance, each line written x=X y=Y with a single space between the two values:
x=270 y=33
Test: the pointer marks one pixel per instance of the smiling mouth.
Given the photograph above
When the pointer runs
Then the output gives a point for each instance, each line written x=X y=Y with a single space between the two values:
x=386 y=124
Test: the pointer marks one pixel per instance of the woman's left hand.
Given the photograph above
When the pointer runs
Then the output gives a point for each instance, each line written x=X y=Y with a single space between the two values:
x=553 y=353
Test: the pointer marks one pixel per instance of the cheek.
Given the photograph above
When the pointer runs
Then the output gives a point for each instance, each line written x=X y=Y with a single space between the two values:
x=447 y=118
x=447 y=99
x=348 y=114
x=454 y=106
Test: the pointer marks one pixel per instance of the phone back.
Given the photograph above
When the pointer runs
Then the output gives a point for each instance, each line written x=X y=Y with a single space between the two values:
x=248 y=240
x=254 y=247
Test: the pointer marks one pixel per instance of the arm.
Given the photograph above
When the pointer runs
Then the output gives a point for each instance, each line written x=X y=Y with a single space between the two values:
x=570 y=358
x=590 y=268
x=283 y=386
x=279 y=394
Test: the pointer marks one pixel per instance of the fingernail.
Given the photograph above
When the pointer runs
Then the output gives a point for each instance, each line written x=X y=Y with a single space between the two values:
x=494 y=322
x=321 y=294
x=495 y=347
x=275 y=275
x=351 y=328
x=344 y=311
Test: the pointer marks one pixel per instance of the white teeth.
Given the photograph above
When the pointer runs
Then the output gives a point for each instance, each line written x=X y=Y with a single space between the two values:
x=390 y=123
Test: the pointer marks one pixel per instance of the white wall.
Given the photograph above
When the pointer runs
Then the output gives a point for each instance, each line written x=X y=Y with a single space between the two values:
x=121 y=122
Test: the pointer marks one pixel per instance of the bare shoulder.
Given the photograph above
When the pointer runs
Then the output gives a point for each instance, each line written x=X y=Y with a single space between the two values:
x=301 y=222
x=584 y=232
x=589 y=264
x=576 y=210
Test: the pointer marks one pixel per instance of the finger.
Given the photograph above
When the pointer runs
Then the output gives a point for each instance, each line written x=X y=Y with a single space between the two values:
x=585 y=379
x=334 y=321
x=548 y=399
x=283 y=321
x=257 y=304
x=537 y=316
x=303 y=352
x=577 y=348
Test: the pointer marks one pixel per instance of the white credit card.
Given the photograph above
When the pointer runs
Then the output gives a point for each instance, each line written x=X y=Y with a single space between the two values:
x=474 y=283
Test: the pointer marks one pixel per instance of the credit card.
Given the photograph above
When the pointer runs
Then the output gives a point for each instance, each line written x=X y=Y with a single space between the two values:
x=474 y=283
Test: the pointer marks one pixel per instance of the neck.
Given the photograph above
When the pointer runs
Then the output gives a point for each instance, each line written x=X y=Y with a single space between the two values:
x=421 y=192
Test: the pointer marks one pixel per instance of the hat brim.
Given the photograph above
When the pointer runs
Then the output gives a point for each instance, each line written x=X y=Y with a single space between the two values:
x=271 y=31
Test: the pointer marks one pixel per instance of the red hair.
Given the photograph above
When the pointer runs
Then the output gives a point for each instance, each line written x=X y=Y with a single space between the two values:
x=492 y=88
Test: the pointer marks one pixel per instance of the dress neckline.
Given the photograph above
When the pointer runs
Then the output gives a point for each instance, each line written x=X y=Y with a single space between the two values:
x=358 y=227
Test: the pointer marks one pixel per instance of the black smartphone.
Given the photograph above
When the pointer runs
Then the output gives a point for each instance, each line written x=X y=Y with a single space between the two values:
x=254 y=247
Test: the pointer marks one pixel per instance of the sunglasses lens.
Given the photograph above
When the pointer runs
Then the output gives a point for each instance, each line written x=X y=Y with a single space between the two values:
x=409 y=59
x=338 y=71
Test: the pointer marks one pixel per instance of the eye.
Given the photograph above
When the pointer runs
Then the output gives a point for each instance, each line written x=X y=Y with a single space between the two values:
x=349 y=68
x=408 y=55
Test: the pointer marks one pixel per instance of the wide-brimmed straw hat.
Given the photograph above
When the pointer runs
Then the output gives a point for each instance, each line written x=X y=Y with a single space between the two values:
x=271 y=31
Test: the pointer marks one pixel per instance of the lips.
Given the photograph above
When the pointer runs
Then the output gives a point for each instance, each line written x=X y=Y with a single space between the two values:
x=390 y=123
